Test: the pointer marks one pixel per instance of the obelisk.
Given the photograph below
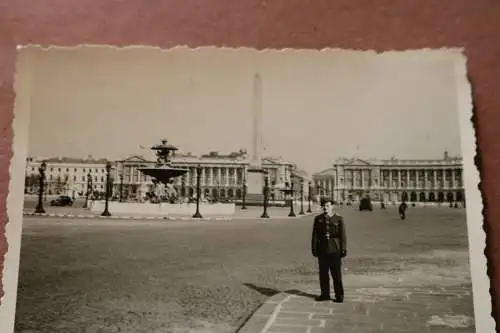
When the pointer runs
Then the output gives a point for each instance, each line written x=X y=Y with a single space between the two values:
x=255 y=177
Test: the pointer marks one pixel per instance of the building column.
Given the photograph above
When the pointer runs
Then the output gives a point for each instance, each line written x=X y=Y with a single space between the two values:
x=399 y=178
x=226 y=179
x=219 y=175
x=408 y=178
x=203 y=172
x=390 y=178
x=453 y=177
x=434 y=171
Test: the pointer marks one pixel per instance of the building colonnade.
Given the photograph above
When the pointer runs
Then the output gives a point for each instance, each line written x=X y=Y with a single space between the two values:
x=393 y=181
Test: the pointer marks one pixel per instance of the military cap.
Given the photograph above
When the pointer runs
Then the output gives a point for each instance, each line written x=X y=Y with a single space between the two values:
x=325 y=200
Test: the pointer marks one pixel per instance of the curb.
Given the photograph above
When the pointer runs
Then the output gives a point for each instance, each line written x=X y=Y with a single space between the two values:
x=124 y=217
x=168 y=218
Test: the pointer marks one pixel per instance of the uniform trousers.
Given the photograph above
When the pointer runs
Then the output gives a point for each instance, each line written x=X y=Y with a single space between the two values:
x=331 y=264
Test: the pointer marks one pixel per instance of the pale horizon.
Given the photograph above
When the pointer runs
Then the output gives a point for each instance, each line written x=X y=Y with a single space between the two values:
x=317 y=106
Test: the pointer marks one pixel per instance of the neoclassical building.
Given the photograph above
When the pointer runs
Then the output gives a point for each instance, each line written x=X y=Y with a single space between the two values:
x=222 y=176
x=393 y=180
x=66 y=175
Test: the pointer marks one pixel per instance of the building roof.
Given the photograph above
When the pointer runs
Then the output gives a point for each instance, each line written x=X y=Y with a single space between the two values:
x=326 y=172
x=394 y=161
x=67 y=160
x=136 y=159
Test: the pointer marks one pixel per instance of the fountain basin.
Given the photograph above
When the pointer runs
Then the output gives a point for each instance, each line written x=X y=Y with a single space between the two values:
x=163 y=173
x=163 y=209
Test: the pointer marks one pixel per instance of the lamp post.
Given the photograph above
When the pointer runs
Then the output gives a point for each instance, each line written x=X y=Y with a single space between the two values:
x=302 y=197
x=106 y=194
x=183 y=187
x=198 y=215
x=309 y=198
x=266 y=192
x=121 y=185
x=89 y=189
x=39 y=207
x=244 y=199
x=292 y=213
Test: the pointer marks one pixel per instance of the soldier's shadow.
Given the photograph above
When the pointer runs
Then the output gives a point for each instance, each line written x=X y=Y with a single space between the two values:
x=271 y=292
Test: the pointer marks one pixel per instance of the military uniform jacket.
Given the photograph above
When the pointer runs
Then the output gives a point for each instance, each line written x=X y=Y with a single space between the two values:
x=328 y=236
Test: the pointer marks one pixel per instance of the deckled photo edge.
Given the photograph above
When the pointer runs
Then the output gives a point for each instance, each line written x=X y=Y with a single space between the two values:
x=474 y=201
x=24 y=66
x=13 y=228
x=183 y=48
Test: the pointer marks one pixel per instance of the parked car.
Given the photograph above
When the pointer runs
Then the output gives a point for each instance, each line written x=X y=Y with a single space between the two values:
x=62 y=200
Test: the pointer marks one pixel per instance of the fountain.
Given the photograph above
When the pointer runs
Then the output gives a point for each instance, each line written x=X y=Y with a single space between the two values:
x=163 y=173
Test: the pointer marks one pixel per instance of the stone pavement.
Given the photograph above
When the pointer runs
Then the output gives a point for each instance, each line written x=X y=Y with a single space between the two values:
x=364 y=310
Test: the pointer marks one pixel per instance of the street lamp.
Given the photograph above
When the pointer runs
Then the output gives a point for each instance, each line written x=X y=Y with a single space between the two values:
x=266 y=192
x=309 y=198
x=302 y=197
x=39 y=207
x=107 y=191
x=183 y=187
x=89 y=189
x=121 y=182
x=244 y=199
x=198 y=215
x=292 y=213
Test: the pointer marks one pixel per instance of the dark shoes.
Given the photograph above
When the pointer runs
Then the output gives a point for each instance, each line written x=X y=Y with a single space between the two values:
x=322 y=298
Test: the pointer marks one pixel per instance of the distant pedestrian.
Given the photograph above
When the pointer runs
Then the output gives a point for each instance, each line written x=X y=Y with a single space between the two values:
x=329 y=247
x=402 y=210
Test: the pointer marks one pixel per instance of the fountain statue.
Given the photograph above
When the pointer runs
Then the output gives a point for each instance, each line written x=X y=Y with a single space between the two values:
x=163 y=172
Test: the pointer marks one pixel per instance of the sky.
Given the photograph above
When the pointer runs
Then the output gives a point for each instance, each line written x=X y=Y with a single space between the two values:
x=316 y=106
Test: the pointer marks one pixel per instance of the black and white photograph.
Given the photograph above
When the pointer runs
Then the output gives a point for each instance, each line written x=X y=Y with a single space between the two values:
x=219 y=190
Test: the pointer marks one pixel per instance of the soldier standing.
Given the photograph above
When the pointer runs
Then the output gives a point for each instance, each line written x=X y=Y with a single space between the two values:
x=329 y=247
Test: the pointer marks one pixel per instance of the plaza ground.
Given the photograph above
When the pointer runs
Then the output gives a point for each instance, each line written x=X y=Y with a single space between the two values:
x=94 y=276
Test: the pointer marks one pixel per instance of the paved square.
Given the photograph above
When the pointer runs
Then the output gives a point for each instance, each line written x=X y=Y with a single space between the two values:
x=210 y=276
